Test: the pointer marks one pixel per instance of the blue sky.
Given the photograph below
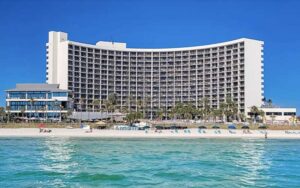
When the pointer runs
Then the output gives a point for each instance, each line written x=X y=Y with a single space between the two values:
x=24 y=27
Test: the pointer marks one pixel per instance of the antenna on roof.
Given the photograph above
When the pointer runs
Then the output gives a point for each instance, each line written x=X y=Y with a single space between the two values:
x=112 y=41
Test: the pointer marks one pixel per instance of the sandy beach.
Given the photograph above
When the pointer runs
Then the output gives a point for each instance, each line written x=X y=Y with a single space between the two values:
x=190 y=133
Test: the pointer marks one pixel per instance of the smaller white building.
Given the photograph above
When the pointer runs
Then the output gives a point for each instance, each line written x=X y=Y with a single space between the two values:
x=277 y=115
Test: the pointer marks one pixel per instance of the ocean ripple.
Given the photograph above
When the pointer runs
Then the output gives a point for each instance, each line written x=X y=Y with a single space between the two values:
x=93 y=162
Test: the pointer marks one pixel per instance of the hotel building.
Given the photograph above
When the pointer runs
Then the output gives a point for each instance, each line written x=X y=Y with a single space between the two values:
x=159 y=78
x=37 y=101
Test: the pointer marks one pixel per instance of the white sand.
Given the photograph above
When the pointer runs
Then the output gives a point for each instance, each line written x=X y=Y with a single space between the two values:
x=209 y=133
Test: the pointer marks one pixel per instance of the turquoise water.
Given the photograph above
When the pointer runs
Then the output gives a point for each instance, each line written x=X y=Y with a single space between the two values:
x=84 y=162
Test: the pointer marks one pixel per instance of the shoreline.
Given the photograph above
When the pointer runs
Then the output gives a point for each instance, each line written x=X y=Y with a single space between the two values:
x=192 y=133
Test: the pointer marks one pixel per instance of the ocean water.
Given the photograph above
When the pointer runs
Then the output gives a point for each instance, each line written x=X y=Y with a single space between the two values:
x=92 y=162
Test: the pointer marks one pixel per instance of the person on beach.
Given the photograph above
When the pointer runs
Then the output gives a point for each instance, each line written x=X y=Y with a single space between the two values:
x=266 y=135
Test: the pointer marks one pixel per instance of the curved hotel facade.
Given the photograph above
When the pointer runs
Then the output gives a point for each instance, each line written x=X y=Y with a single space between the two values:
x=157 y=78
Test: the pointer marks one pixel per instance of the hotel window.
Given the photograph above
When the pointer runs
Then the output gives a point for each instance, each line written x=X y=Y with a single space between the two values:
x=59 y=94
x=289 y=113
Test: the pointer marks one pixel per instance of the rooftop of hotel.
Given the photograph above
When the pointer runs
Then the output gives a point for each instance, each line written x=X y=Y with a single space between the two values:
x=112 y=45
x=37 y=87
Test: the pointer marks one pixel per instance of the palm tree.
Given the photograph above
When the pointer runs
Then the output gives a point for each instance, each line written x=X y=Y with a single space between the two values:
x=242 y=117
x=139 y=105
x=200 y=113
x=205 y=107
x=112 y=98
x=46 y=110
x=96 y=103
x=262 y=114
x=43 y=109
x=229 y=108
x=269 y=103
x=31 y=104
x=107 y=105
x=254 y=112
x=58 y=106
x=146 y=100
x=177 y=110
x=124 y=110
x=2 y=113
x=60 y=109
x=189 y=111
x=23 y=111
x=216 y=113
x=129 y=102
x=133 y=116
x=264 y=100
x=187 y=114
x=273 y=117
x=160 y=113
x=81 y=102
x=8 y=113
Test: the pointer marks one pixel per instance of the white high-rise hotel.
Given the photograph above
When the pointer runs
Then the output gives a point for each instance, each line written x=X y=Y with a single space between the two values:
x=159 y=78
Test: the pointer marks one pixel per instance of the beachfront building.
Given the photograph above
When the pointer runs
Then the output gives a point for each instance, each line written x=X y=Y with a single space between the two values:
x=157 y=79
x=276 y=115
x=37 y=101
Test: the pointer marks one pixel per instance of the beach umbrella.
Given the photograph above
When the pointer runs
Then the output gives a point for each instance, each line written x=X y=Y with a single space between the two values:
x=101 y=127
x=100 y=123
x=215 y=127
x=41 y=125
x=167 y=127
x=159 y=127
x=262 y=127
x=232 y=126
x=245 y=127
x=202 y=127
